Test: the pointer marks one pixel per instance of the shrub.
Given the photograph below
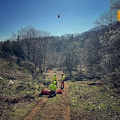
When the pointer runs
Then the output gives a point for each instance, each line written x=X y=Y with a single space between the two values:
x=28 y=65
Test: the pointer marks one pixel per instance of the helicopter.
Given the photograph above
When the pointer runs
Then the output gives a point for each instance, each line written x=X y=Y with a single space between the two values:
x=58 y=16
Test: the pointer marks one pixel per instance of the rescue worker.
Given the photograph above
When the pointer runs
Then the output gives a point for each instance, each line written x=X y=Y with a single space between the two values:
x=48 y=70
x=53 y=88
x=63 y=79
x=54 y=79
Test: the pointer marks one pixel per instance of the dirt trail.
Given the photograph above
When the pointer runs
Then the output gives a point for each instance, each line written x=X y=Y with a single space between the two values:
x=65 y=103
x=35 y=110
x=61 y=111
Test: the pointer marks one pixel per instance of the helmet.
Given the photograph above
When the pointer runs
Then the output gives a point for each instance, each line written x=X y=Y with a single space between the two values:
x=54 y=82
x=54 y=74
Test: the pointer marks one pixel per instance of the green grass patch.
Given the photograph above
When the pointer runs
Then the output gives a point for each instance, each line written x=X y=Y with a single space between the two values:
x=20 y=110
x=92 y=102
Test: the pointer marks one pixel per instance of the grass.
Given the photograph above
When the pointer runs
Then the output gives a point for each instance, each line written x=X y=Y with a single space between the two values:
x=86 y=102
x=20 y=110
x=92 y=102
x=50 y=107
x=12 y=71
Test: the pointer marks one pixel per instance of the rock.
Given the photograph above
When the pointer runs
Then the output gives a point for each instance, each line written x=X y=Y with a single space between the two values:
x=1 y=78
x=11 y=82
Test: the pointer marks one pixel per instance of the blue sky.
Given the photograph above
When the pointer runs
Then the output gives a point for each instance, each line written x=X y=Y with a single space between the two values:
x=77 y=16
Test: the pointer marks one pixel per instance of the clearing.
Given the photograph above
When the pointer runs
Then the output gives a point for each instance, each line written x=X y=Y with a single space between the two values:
x=81 y=100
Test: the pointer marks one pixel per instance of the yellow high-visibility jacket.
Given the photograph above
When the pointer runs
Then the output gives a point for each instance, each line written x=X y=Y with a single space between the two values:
x=52 y=87
x=54 y=78
x=63 y=77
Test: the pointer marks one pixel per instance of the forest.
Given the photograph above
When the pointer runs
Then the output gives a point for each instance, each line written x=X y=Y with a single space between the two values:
x=90 y=56
x=95 y=50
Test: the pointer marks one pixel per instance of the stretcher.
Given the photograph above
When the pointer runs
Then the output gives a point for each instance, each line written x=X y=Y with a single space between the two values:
x=47 y=92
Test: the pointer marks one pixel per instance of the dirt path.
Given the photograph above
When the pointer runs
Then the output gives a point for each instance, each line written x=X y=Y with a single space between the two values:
x=58 y=110
x=35 y=110
x=65 y=103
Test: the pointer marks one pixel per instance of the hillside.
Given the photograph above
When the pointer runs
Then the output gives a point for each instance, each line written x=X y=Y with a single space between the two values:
x=18 y=87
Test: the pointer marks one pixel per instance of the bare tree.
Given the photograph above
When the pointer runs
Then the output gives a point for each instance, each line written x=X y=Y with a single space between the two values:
x=115 y=4
x=28 y=34
x=69 y=62
x=35 y=45
x=110 y=16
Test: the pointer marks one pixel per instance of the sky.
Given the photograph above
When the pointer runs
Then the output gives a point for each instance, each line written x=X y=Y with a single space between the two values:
x=76 y=16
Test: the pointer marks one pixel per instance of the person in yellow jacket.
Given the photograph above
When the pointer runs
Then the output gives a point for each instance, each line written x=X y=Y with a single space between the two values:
x=53 y=88
x=63 y=79
x=54 y=79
